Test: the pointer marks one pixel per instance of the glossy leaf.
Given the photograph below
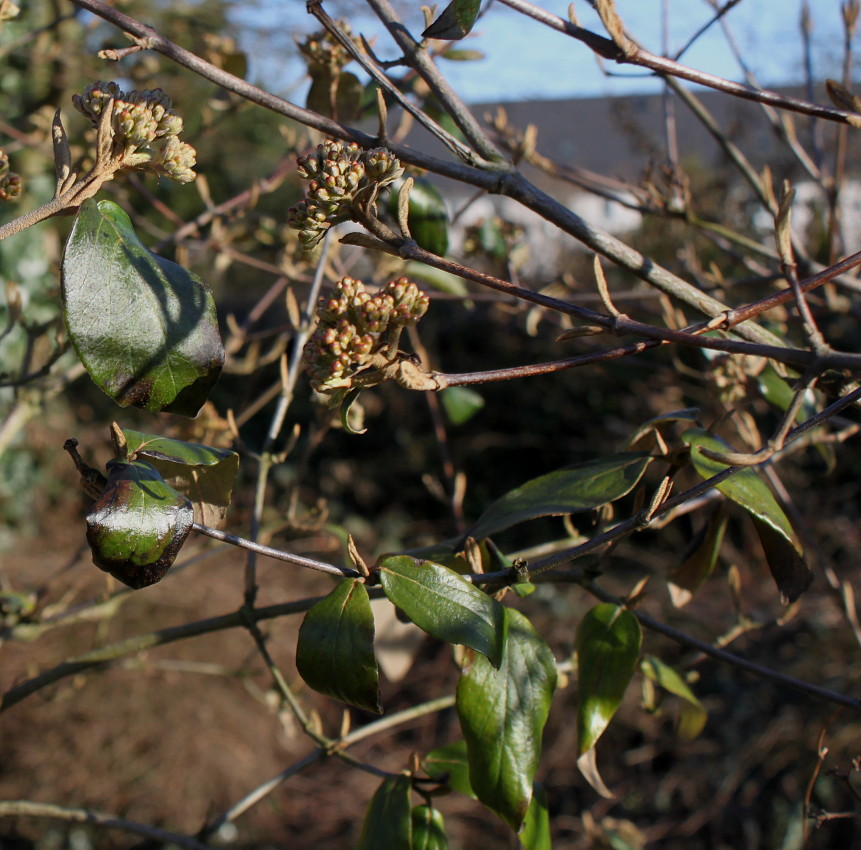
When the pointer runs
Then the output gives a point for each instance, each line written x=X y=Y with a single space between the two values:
x=205 y=474
x=445 y=605
x=608 y=648
x=789 y=570
x=335 y=651
x=745 y=488
x=450 y=765
x=564 y=491
x=427 y=217
x=145 y=328
x=700 y=560
x=460 y=404
x=428 y=829
x=502 y=714
x=388 y=820
x=535 y=834
x=692 y=718
x=456 y=20
x=138 y=525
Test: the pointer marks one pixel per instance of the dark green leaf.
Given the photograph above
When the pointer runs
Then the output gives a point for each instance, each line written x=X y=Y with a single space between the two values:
x=450 y=765
x=445 y=605
x=428 y=216
x=428 y=829
x=689 y=414
x=337 y=96
x=535 y=834
x=335 y=652
x=694 y=716
x=388 y=821
x=789 y=570
x=502 y=714
x=137 y=527
x=782 y=548
x=456 y=20
x=700 y=561
x=460 y=404
x=608 y=648
x=144 y=327
x=204 y=474
x=565 y=491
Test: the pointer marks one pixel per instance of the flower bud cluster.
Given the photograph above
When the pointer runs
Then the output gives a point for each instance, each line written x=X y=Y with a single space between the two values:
x=323 y=52
x=352 y=328
x=341 y=175
x=11 y=184
x=145 y=128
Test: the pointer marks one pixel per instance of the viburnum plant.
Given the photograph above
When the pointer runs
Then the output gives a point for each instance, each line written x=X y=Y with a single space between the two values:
x=146 y=330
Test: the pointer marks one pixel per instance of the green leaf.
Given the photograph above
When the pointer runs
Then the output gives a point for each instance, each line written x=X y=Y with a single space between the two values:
x=335 y=652
x=450 y=765
x=782 y=548
x=565 y=491
x=428 y=829
x=608 y=648
x=337 y=96
x=745 y=488
x=204 y=474
x=502 y=714
x=388 y=820
x=692 y=720
x=445 y=605
x=437 y=278
x=145 y=328
x=460 y=404
x=428 y=216
x=535 y=834
x=460 y=54
x=700 y=560
x=689 y=414
x=138 y=525
x=456 y=20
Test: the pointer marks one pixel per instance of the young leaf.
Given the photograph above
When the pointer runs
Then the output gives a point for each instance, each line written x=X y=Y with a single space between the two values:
x=204 y=474
x=608 y=648
x=445 y=605
x=428 y=829
x=144 y=327
x=783 y=550
x=456 y=20
x=502 y=714
x=388 y=820
x=535 y=834
x=335 y=652
x=693 y=716
x=460 y=404
x=565 y=491
x=450 y=764
x=137 y=526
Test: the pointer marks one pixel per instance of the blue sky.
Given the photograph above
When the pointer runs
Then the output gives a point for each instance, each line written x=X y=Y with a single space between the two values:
x=525 y=60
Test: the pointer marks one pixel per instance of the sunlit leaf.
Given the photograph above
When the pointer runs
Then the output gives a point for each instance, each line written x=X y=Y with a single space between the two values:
x=450 y=765
x=535 y=833
x=564 y=491
x=205 y=474
x=693 y=716
x=445 y=605
x=608 y=648
x=388 y=820
x=428 y=216
x=428 y=829
x=747 y=489
x=456 y=20
x=502 y=714
x=440 y=280
x=335 y=651
x=138 y=525
x=145 y=328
